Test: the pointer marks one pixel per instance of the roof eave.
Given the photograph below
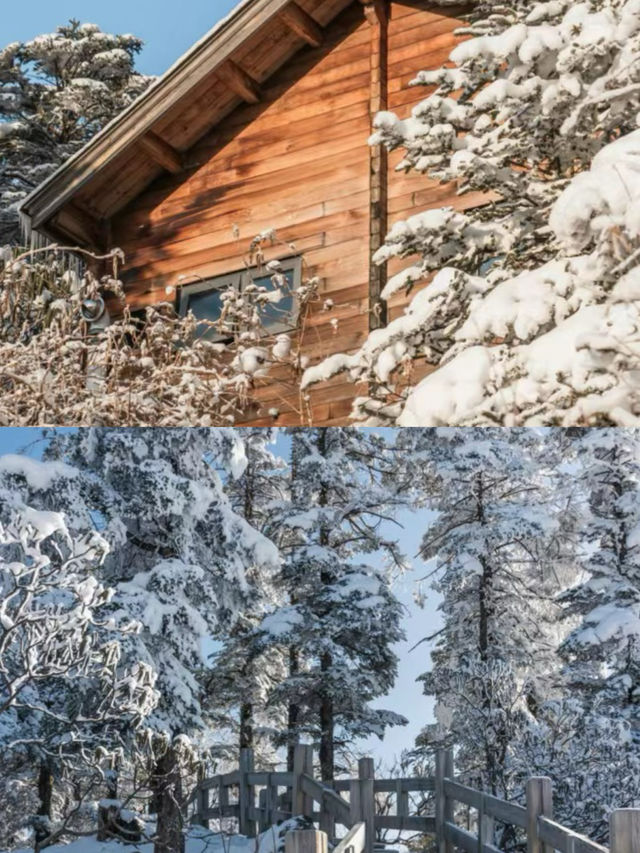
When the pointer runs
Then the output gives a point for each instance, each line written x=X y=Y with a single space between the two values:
x=201 y=60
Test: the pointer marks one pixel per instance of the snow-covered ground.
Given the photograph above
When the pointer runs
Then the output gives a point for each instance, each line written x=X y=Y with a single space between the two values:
x=198 y=841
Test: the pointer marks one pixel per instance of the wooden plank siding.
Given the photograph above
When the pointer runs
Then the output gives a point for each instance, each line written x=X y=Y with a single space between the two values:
x=297 y=161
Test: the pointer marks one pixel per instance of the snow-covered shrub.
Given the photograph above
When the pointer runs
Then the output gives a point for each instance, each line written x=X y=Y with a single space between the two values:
x=56 y=366
x=532 y=316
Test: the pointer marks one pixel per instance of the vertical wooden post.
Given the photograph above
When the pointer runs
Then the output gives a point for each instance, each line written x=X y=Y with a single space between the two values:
x=272 y=802
x=246 y=795
x=485 y=827
x=306 y=841
x=625 y=831
x=402 y=800
x=539 y=803
x=223 y=799
x=444 y=806
x=367 y=801
x=263 y=821
x=203 y=807
x=377 y=13
x=327 y=823
x=302 y=764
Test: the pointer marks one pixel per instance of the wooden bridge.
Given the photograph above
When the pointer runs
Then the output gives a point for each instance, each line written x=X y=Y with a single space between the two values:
x=259 y=800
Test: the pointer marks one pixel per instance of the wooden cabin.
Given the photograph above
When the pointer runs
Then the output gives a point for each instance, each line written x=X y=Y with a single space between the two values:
x=264 y=124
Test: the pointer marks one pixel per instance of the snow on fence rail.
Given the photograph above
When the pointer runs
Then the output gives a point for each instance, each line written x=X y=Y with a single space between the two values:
x=260 y=799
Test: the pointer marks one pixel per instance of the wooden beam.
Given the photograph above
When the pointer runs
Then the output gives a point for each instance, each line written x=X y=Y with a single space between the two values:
x=377 y=13
x=239 y=81
x=302 y=24
x=163 y=153
x=75 y=222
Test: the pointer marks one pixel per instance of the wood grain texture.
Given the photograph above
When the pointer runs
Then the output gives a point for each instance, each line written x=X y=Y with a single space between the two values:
x=297 y=161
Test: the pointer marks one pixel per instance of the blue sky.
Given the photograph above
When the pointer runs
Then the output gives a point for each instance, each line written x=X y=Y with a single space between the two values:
x=168 y=29
x=406 y=698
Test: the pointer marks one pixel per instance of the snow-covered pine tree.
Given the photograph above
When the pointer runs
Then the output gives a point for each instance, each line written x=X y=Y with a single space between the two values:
x=178 y=563
x=532 y=315
x=56 y=92
x=493 y=664
x=603 y=650
x=341 y=620
x=68 y=701
x=583 y=737
x=243 y=673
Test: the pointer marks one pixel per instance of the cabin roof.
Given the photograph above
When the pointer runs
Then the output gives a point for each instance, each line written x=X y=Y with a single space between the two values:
x=222 y=70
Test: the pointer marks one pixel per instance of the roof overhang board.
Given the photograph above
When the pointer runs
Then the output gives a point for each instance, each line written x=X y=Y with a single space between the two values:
x=134 y=128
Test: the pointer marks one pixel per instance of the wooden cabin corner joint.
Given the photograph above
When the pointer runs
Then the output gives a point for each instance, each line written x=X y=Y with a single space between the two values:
x=377 y=13
x=302 y=24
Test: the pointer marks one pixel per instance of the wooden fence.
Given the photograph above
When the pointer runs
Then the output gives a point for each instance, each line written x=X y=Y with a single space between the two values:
x=261 y=799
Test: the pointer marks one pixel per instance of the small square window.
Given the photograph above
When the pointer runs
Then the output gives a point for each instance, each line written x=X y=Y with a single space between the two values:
x=205 y=299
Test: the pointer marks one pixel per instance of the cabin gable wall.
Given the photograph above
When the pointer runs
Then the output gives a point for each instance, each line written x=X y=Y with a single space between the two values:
x=298 y=162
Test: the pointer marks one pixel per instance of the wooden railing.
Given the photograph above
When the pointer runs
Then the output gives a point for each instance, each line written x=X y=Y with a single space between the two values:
x=259 y=800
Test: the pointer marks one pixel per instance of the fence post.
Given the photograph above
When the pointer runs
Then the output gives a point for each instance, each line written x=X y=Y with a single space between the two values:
x=302 y=805
x=444 y=806
x=203 y=807
x=485 y=826
x=625 y=831
x=223 y=799
x=539 y=804
x=306 y=841
x=366 y=801
x=246 y=795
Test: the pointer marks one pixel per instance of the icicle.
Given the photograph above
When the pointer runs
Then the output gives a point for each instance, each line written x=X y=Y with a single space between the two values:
x=25 y=228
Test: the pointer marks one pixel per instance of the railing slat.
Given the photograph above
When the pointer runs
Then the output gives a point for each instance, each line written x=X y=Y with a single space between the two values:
x=558 y=836
x=417 y=823
x=462 y=793
x=354 y=841
x=506 y=812
x=460 y=837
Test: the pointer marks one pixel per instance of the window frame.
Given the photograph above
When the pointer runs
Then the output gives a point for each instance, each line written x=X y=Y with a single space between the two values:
x=237 y=280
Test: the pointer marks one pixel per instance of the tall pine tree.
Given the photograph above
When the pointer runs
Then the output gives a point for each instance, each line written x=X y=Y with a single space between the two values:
x=342 y=619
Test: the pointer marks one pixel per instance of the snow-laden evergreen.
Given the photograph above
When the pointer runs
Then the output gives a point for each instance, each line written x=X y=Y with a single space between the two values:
x=69 y=695
x=341 y=618
x=493 y=661
x=178 y=562
x=56 y=92
x=243 y=673
x=603 y=650
x=532 y=316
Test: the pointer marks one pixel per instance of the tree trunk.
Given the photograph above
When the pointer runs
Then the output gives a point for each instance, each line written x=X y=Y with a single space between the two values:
x=293 y=712
x=327 y=726
x=167 y=790
x=45 y=810
x=246 y=725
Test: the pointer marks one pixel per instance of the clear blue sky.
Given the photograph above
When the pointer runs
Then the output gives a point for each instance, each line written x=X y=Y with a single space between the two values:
x=168 y=29
x=406 y=698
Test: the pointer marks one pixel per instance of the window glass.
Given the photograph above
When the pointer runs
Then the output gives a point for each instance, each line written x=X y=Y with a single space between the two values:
x=278 y=313
x=205 y=299
x=206 y=305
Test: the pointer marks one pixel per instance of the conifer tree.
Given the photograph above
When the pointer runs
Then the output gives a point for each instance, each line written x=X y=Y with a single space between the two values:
x=603 y=650
x=178 y=563
x=243 y=673
x=342 y=618
x=69 y=699
x=493 y=661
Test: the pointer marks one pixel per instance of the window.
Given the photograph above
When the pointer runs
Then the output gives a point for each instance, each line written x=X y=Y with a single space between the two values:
x=205 y=298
